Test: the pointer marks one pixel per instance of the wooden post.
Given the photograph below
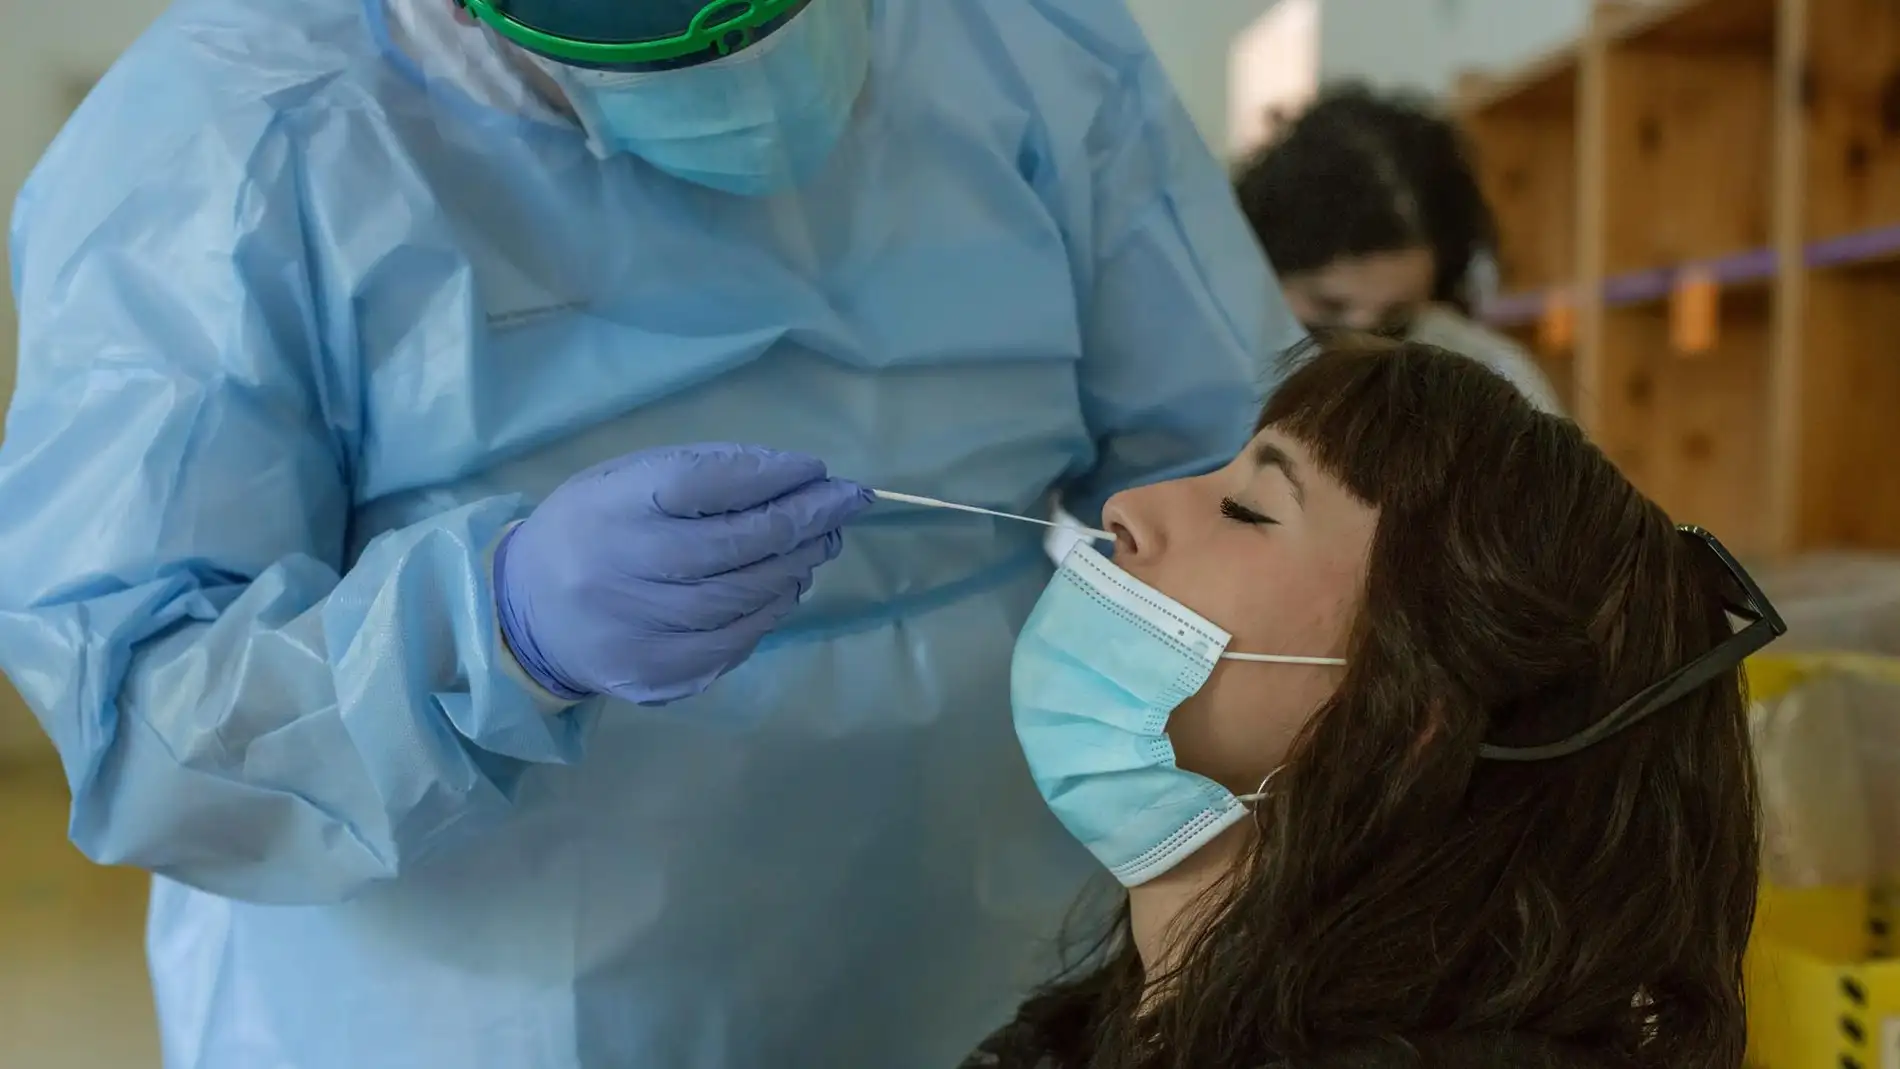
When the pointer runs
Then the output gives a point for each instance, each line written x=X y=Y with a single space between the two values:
x=1591 y=204
x=1785 y=380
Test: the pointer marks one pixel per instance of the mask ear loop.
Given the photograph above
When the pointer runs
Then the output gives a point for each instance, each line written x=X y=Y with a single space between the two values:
x=1274 y=658
x=1252 y=801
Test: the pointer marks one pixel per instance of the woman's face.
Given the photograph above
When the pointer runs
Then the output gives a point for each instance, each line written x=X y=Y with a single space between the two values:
x=1379 y=292
x=1274 y=551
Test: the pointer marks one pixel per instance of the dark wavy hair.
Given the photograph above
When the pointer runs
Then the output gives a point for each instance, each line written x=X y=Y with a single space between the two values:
x=1407 y=904
x=1360 y=173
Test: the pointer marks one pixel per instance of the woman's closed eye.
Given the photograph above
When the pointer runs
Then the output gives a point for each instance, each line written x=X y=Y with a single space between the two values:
x=1240 y=513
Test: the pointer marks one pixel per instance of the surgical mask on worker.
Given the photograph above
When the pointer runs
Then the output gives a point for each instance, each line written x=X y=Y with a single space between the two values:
x=757 y=122
x=1103 y=662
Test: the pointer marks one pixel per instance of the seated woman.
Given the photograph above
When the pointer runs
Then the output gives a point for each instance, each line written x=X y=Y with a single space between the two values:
x=1369 y=210
x=1417 y=737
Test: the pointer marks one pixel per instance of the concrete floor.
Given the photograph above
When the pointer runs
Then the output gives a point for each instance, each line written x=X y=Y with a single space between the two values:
x=73 y=988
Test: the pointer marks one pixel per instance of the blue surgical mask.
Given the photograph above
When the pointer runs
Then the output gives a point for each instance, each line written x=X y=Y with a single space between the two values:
x=760 y=121
x=1102 y=663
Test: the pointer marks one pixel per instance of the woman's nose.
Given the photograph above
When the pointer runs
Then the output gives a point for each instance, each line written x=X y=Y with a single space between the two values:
x=1131 y=516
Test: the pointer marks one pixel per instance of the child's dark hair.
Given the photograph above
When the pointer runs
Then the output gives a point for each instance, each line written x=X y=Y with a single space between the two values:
x=1360 y=173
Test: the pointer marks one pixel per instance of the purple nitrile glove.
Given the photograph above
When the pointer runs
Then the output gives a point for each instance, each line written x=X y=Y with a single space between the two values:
x=650 y=576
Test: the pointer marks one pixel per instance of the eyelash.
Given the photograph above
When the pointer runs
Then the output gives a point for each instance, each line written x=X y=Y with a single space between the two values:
x=1240 y=513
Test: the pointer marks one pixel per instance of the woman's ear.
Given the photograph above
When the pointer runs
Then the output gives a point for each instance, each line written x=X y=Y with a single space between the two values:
x=1434 y=727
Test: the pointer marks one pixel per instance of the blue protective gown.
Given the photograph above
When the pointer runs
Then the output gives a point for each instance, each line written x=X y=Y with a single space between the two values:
x=304 y=325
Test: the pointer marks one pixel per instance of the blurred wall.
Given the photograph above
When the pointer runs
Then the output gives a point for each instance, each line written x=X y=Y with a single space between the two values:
x=1419 y=44
x=1193 y=38
x=49 y=53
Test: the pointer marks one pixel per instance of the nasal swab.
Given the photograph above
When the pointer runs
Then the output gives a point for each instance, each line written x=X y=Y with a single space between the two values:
x=933 y=503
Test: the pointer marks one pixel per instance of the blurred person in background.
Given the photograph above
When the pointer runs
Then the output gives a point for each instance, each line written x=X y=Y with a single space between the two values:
x=1367 y=207
x=354 y=557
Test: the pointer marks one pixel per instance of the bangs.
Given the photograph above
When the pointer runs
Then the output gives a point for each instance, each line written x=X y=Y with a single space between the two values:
x=1394 y=420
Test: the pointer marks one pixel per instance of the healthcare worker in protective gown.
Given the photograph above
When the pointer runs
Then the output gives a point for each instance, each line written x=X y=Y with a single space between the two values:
x=353 y=552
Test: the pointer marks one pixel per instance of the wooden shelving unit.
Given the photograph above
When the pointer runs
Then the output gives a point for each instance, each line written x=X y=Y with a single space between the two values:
x=1748 y=149
x=1527 y=133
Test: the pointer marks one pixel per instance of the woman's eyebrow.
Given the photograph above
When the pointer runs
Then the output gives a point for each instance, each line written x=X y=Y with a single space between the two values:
x=1268 y=455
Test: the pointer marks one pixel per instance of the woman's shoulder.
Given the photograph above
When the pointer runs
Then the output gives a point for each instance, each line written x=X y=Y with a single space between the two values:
x=1016 y=1046
x=1469 y=1050
x=1447 y=329
x=1013 y=1046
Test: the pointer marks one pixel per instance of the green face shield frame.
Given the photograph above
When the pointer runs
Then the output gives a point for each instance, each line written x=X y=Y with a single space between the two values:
x=719 y=29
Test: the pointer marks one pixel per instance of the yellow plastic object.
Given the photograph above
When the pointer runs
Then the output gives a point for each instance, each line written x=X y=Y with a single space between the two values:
x=1823 y=991
x=1815 y=996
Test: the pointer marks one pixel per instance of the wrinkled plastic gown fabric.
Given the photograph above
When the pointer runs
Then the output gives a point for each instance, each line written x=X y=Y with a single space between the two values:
x=307 y=321
x=1828 y=753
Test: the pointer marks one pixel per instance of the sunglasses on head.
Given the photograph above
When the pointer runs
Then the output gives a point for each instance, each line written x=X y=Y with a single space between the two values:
x=1745 y=601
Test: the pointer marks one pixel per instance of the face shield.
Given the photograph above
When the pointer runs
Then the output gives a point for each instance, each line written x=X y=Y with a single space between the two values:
x=745 y=96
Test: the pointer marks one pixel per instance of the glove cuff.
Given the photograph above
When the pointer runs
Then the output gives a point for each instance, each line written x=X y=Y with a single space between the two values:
x=517 y=640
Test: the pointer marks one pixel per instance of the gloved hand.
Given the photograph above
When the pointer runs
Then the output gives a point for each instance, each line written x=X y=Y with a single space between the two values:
x=650 y=576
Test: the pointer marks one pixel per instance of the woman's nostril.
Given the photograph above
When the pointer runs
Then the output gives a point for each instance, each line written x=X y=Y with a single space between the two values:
x=1115 y=520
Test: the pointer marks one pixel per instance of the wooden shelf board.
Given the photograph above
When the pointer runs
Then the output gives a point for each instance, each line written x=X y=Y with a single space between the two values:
x=1686 y=428
x=1880 y=245
x=1547 y=83
x=1849 y=89
x=1516 y=309
x=1754 y=267
x=1850 y=387
x=1693 y=24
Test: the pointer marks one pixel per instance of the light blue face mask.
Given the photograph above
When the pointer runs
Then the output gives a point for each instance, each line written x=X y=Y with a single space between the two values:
x=1101 y=664
x=760 y=121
